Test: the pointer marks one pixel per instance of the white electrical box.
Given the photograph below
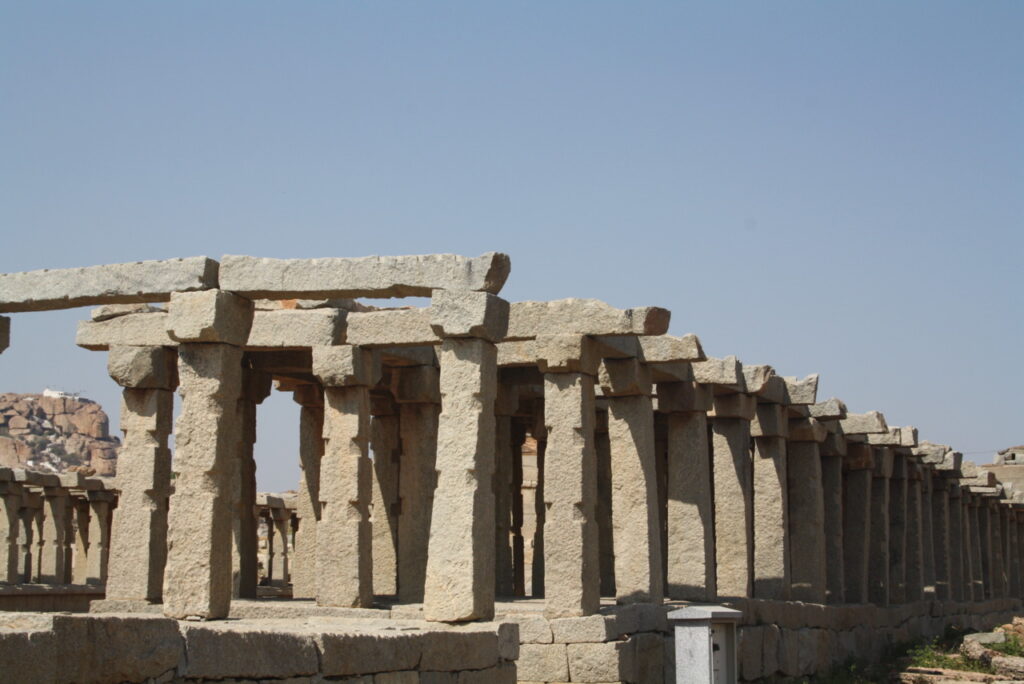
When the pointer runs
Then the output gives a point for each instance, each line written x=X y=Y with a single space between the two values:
x=705 y=641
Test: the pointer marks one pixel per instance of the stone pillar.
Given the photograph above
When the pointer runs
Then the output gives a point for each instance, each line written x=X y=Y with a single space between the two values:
x=603 y=504
x=832 y=496
x=914 y=533
x=878 y=544
x=81 y=535
x=212 y=326
x=978 y=582
x=927 y=550
x=138 y=544
x=734 y=496
x=1013 y=587
x=256 y=387
x=53 y=569
x=540 y=434
x=10 y=526
x=571 y=555
x=504 y=407
x=857 y=521
x=898 y=530
x=807 y=521
x=280 y=522
x=636 y=525
x=958 y=559
x=518 y=545
x=690 y=509
x=772 y=533
x=97 y=562
x=460 y=561
x=307 y=502
x=418 y=479
x=998 y=570
x=385 y=443
x=344 y=557
x=940 y=536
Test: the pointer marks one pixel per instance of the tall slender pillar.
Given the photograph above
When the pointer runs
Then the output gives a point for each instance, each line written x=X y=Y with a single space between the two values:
x=256 y=387
x=898 y=530
x=460 y=562
x=385 y=443
x=957 y=570
x=603 y=504
x=417 y=482
x=10 y=526
x=540 y=435
x=914 y=534
x=636 y=524
x=280 y=522
x=505 y=406
x=307 y=503
x=211 y=325
x=518 y=542
x=807 y=521
x=772 y=530
x=80 y=506
x=1013 y=586
x=998 y=569
x=344 y=559
x=927 y=538
x=940 y=536
x=53 y=568
x=734 y=496
x=978 y=581
x=832 y=496
x=857 y=521
x=690 y=508
x=571 y=560
x=879 y=542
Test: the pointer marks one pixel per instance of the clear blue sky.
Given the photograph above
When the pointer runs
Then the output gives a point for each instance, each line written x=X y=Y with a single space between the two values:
x=824 y=187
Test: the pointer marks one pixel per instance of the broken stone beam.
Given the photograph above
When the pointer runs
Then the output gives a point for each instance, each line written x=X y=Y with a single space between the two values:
x=652 y=349
x=583 y=317
x=140 y=281
x=894 y=437
x=727 y=371
x=375 y=276
x=830 y=409
x=871 y=422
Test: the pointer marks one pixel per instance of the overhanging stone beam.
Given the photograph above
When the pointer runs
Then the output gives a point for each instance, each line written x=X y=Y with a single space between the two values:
x=140 y=281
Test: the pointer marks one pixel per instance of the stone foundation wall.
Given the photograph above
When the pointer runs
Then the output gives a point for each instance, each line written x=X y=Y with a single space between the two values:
x=50 y=648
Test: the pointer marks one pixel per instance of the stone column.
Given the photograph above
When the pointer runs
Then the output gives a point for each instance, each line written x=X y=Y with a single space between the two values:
x=344 y=559
x=807 y=521
x=10 y=528
x=571 y=560
x=307 y=503
x=898 y=530
x=958 y=559
x=978 y=583
x=53 y=568
x=419 y=400
x=540 y=434
x=857 y=521
x=940 y=536
x=603 y=503
x=518 y=544
x=138 y=545
x=927 y=550
x=832 y=496
x=772 y=532
x=914 y=533
x=80 y=507
x=505 y=406
x=460 y=561
x=280 y=521
x=212 y=326
x=1013 y=587
x=385 y=443
x=998 y=571
x=97 y=562
x=878 y=544
x=636 y=525
x=733 y=487
x=690 y=509
x=256 y=387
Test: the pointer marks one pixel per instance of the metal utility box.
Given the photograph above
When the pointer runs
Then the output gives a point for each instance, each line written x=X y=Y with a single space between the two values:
x=705 y=640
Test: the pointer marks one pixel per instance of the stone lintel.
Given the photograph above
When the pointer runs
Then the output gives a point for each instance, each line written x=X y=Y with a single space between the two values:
x=890 y=438
x=141 y=329
x=408 y=356
x=5 y=333
x=859 y=457
x=736 y=405
x=308 y=395
x=140 y=281
x=830 y=409
x=968 y=469
x=297 y=328
x=987 y=492
x=375 y=276
x=416 y=385
x=727 y=372
x=671 y=348
x=583 y=317
x=566 y=353
x=807 y=430
x=209 y=316
x=769 y=421
x=871 y=422
x=345 y=365
x=672 y=371
x=624 y=377
x=684 y=397
x=908 y=436
x=143 y=367
x=391 y=328
x=469 y=314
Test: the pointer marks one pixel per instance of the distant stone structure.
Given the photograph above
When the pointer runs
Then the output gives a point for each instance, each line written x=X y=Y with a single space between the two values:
x=657 y=476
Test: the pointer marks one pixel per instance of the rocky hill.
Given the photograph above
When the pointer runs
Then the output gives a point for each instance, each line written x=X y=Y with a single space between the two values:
x=56 y=434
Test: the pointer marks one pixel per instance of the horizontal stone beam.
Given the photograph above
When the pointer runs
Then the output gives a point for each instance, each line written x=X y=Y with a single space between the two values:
x=727 y=371
x=583 y=317
x=140 y=281
x=830 y=409
x=871 y=422
x=375 y=276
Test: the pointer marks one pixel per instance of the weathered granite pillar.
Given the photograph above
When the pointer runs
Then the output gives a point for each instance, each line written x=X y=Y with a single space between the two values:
x=958 y=559
x=256 y=387
x=940 y=536
x=571 y=561
x=386 y=446
x=772 y=532
x=636 y=524
x=998 y=569
x=898 y=530
x=460 y=562
x=540 y=434
x=53 y=568
x=80 y=515
x=505 y=406
x=344 y=556
x=10 y=526
x=733 y=487
x=518 y=542
x=833 y=451
x=690 y=509
x=978 y=581
x=211 y=327
x=419 y=422
x=603 y=503
x=927 y=549
x=1013 y=586
x=807 y=520
x=914 y=534
x=307 y=502
x=280 y=522
x=857 y=521
x=97 y=561
x=878 y=544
